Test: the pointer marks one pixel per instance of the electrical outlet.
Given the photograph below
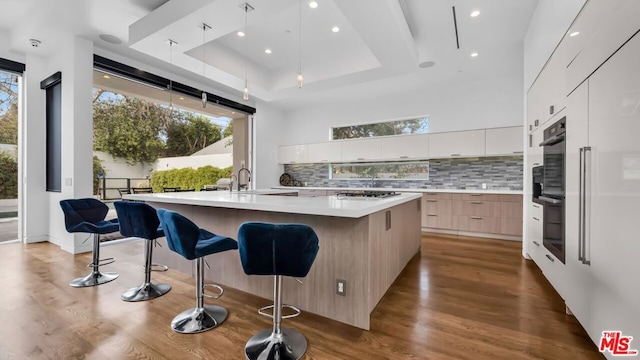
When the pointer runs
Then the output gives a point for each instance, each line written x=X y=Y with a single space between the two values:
x=484 y=186
x=341 y=287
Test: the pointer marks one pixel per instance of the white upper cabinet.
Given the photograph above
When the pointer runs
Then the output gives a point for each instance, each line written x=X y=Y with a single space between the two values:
x=534 y=107
x=405 y=147
x=504 y=141
x=292 y=154
x=325 y=152
x=457 y=144
x=361 y=150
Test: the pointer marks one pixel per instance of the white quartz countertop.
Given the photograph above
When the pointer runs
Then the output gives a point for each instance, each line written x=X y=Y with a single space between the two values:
x=270 y=200
x=404 y=190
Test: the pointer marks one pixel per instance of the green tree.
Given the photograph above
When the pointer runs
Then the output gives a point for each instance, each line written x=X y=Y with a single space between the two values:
x=129 y=128
x=188 y=133
x=97 y=169
x=228 y=131
x=8 y=176
x=9 y=125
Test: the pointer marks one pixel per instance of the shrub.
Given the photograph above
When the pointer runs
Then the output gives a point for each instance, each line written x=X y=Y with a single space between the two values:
x=188 y=178
x=8 y=177
x=97 y=169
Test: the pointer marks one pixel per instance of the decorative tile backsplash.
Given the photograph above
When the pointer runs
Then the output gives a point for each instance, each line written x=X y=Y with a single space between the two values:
x=504 y=172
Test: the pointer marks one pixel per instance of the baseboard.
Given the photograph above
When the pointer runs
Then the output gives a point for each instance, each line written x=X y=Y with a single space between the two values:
x=35 y=239
x=472 y=234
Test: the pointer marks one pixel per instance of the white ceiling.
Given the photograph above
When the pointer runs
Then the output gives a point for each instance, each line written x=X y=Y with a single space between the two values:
x=377 y=51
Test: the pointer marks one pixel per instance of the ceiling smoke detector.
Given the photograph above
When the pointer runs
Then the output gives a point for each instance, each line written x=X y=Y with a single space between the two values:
x=426 y=64
x=35 y=43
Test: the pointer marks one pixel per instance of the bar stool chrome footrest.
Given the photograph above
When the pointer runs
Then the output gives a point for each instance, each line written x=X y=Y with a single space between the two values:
x=101 y=262
x=197 y=320
x=267 y=345
x=216 y=296
x=145 y=292
x=159 y=267
x=296 y=311
x=93 y=279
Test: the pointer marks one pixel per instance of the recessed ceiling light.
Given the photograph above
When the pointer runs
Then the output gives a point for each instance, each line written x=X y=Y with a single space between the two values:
x=106 y=76
x=575 y=33
x=313 y=4
x=181 y=98
x=475 y=13
x=268 y=51
x=335 y=29
x=474 y=54
x=240 y=33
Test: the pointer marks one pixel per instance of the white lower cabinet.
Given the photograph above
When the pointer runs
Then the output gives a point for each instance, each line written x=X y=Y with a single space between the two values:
x=534 y=231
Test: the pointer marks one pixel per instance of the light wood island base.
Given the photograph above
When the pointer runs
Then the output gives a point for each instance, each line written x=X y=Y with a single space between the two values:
x=367 y=252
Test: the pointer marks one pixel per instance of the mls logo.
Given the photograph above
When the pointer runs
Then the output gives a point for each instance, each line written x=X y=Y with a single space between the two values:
x=617 y=344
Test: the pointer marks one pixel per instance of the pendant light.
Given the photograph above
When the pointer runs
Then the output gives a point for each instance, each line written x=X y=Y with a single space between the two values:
x=205 y=27
x=170 y=86
x=300 y=77
x=245 y=92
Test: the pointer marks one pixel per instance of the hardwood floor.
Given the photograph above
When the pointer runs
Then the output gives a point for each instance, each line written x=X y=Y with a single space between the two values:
x=458 y=299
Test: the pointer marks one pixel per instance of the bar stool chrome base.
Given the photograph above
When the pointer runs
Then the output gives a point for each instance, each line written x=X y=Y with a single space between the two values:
x=290 y=344
x=197 y=320
x=93 y=279
x=145 y=292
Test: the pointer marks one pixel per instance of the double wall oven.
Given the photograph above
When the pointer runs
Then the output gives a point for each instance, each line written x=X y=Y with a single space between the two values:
x=553 y=188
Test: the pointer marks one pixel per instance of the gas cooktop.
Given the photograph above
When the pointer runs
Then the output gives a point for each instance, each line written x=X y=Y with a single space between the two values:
x=366 y=194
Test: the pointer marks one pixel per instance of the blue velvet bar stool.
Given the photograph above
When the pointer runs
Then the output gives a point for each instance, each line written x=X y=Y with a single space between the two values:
x=88 y=216
x=278 y=250
x=185 y=238
x=140 y=220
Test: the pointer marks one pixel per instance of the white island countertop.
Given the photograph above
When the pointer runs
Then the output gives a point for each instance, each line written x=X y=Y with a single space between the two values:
x=269 y=200
x=403 y=190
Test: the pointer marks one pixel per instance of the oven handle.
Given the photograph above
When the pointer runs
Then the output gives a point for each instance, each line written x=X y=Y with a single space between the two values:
x=550 y=200
x=553 y=140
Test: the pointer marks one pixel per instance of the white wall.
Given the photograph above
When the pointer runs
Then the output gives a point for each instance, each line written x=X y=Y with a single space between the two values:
x=194 y=161
x=119 y=168
x=268 y=129
x=550 y=22
x=493 y=102
x=5 y=45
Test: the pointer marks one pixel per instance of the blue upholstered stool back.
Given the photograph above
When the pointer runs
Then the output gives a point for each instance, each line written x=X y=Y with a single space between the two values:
x=138 y=219
x=181 y=233
x=277 y=249
x=77 y=211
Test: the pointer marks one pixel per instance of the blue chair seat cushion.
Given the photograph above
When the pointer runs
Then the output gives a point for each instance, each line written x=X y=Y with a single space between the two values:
x=209 y=243
x=99 y=227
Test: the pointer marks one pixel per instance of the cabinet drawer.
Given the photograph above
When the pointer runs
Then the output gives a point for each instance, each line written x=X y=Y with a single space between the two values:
x=511 y=210
x=437 y=196
x=476 y=197
x=511 y=226
x=476 y=208
x=480 y=224
x=511 y=198
x=436 y=221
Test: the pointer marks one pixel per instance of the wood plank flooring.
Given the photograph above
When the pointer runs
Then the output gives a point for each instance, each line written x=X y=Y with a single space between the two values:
x=458 y=299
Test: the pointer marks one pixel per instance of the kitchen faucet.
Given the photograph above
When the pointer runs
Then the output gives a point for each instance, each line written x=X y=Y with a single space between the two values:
x=231 y=182
x=245 y=185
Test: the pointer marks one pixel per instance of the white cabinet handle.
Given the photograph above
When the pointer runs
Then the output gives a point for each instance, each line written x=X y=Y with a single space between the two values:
x=455 y=154
x=536 y=243
x=404 y=157
x=536 y=219
x=549 y=257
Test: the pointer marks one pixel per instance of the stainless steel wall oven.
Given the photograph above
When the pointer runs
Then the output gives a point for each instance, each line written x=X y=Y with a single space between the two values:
x=553 y=189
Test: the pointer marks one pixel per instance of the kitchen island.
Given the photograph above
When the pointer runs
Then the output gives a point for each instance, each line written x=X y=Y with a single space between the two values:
x=365 y=242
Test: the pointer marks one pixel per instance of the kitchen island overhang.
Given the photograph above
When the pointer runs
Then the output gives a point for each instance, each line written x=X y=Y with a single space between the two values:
x=365 y=242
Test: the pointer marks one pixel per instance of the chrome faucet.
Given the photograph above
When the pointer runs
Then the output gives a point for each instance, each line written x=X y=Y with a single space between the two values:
x=231 y=182
x=245 y=185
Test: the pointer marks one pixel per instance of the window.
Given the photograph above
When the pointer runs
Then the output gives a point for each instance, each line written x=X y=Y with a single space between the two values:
x=395 y=127
x=417 y=170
